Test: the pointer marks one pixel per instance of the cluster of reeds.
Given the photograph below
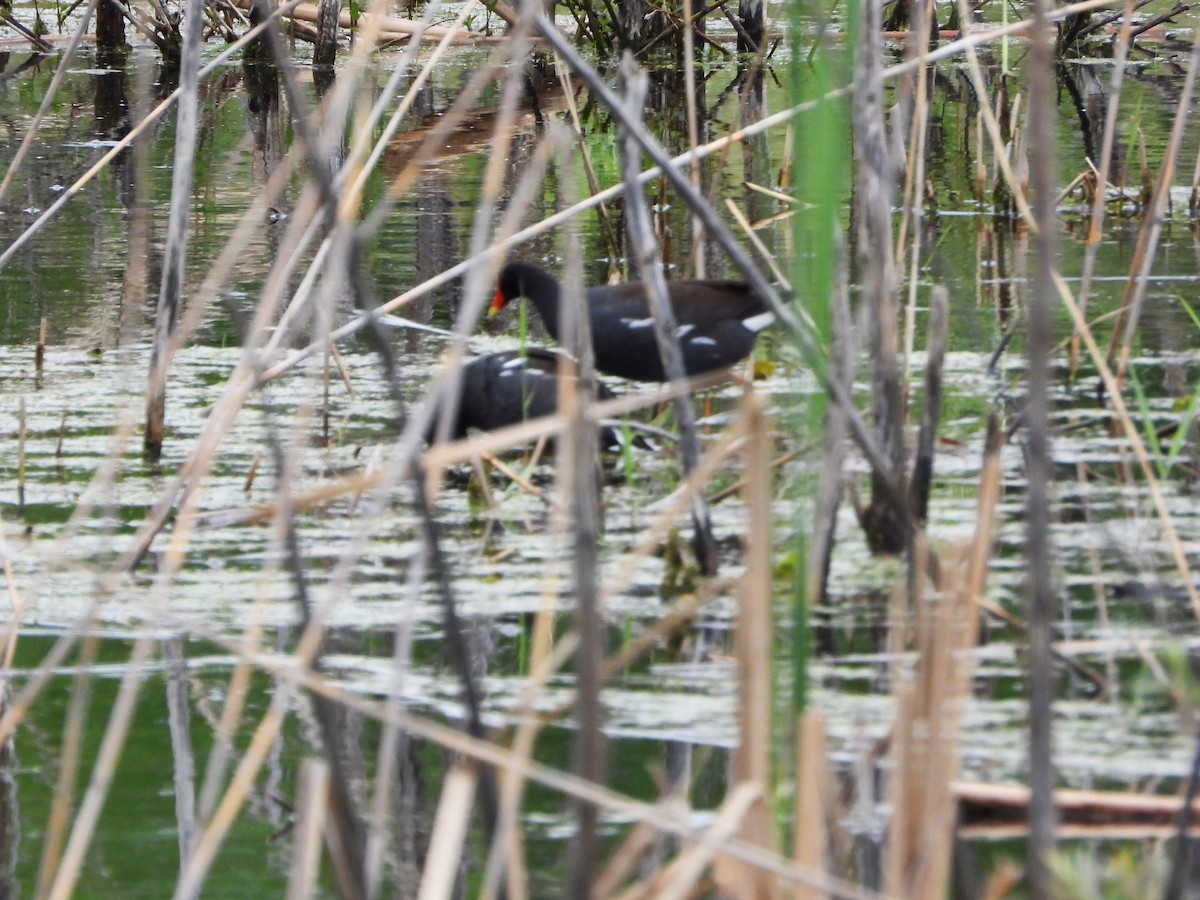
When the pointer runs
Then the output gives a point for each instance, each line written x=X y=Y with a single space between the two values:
x=752 y=846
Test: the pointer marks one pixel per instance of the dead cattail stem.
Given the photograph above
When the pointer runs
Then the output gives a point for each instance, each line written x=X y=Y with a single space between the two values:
x=931 y=407
x=326 y=43
x=886 y=519
x=311 y=807
x=39 y=354
x=175 y=254
x=753 y=643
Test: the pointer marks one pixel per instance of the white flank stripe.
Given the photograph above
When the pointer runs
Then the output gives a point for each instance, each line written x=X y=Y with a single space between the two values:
x=759 y=322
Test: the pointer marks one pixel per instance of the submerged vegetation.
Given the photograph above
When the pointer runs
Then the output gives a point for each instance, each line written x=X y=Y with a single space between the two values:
x=902 y=605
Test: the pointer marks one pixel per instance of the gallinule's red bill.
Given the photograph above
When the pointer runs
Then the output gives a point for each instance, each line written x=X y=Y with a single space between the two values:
x=718 y=321
x=502 y=389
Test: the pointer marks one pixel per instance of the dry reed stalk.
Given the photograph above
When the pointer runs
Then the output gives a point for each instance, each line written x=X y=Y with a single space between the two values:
x=21 y=437
x=753 y=645
x=115 y=732
x=236 y=693
x=204 y=850
x=1124 y=814
x=577 y=484
x=693 y=134
x=814 y=802
x=179 y=724
x=68 y=767
x=457 y=741
x=929 y=708
x=311 y=808
x=678 y=880
x=925 y=738
x=843 y=360
x=649 y=265
x=506 y=859
x=638 y=841
x=380 y=816
x=16 y=614
x=756 y=242
x=449 y=831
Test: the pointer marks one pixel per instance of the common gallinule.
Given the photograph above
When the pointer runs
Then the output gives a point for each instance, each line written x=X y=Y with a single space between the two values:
x=502 y=389
x=718 y=321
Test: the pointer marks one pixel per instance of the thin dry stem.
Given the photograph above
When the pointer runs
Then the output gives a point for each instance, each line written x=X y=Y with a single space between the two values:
x=753 y=642
x=449 y=832
x=311 y=808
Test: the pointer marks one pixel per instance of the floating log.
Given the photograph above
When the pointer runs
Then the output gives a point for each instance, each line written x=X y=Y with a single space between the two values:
x=1000 y=811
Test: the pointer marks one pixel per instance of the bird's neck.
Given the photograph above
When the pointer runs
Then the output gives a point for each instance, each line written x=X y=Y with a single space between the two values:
x=542 y=290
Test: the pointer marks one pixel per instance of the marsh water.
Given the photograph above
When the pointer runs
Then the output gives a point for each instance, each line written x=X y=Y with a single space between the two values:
x=80 y=412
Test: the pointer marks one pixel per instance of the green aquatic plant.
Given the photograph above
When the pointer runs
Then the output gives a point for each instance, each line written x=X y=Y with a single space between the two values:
x=1080 y=873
